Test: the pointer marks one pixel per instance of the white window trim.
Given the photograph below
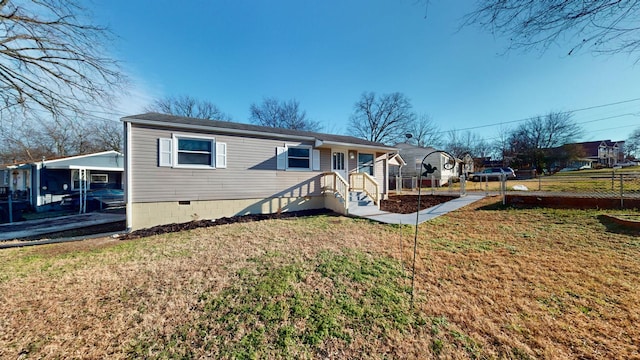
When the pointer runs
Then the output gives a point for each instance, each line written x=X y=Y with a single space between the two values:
x=175 y=145
x=287 y=147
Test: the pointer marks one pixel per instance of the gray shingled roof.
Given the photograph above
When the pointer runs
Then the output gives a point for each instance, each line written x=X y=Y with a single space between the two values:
x=231 y=127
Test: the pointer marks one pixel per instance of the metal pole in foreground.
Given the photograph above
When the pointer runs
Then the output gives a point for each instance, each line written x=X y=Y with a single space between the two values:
x=415 y=237
x=415 y=241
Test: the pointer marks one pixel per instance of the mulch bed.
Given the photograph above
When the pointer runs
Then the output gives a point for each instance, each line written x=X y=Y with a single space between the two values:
x=162 y=229
x=407 y=204
x=400 y=204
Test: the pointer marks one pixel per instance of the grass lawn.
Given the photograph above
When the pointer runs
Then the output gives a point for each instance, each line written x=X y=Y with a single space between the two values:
x=490 y=283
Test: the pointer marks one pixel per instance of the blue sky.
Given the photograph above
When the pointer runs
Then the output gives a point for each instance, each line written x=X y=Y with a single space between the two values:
x=326 y=53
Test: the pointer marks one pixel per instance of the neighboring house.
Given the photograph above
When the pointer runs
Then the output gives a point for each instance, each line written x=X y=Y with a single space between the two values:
x=45 y=182
x=179 y=169
x=605 y=153
x=413 y=156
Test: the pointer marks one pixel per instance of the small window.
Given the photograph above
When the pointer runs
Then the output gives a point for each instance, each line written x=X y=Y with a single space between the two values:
x=298 y=158
x=99 y=178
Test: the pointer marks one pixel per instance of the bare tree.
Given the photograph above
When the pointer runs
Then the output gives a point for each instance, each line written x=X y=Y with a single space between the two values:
x=460 y=143
x=632 y=145
x=530 y=140
x=108 y=135
x=188 y=106
x=425 y=132
x=384 y=119
x=604 y=26
x=29 y=141
x=282 y=114
x=501 y=147
x=52 y=61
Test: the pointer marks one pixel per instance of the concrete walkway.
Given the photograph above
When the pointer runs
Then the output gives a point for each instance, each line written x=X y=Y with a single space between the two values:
x=31 y=228
x=372 y=213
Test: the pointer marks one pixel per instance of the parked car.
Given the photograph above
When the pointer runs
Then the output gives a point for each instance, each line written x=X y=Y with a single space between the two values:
x=96 y=199
x=627 y=163
x=494 y=174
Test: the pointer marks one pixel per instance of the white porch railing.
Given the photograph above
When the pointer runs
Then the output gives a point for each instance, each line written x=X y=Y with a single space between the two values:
x=335 y=183
x=364 y=182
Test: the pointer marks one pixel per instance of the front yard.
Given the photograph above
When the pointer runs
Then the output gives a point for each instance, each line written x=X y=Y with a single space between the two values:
x=490 y=283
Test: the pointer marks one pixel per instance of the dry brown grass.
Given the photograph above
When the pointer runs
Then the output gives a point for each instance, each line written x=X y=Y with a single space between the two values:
x=491 y=283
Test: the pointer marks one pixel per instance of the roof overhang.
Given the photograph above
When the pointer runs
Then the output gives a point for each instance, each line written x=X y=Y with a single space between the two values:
x=329 y=144
x=318 y=143
x=138 y=121
x=396 y=159
x=78 y=167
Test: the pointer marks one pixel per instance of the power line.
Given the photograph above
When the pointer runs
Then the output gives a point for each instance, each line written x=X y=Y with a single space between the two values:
x=561 y=112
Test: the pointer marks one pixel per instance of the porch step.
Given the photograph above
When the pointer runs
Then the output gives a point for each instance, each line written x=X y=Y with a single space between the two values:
x=361 y=205
x=359 y=198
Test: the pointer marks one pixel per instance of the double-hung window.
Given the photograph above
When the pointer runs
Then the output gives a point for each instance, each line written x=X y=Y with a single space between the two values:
x=299 y=158
x=194 y=151
x=190 y=151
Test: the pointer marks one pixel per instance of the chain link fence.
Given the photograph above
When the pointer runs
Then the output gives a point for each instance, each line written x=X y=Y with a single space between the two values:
x=597 y=185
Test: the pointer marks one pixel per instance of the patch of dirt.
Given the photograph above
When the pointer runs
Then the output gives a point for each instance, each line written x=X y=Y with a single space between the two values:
x=407 y=204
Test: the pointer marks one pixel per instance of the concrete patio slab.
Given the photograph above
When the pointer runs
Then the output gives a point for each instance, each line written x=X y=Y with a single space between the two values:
x=31 y=228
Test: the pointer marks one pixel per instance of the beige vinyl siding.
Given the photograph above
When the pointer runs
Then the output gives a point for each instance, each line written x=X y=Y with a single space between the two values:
x=353 y=163
x=250 y=173
x=380 y=171
x=325 y=160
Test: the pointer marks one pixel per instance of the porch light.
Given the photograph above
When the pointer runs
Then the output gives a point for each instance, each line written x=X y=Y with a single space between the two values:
x=352 y=155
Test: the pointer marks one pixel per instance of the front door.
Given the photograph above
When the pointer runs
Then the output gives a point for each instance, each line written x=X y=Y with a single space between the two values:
x=338 y=163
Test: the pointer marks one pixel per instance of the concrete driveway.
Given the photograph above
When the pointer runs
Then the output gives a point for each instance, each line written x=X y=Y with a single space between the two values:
x=33 y=228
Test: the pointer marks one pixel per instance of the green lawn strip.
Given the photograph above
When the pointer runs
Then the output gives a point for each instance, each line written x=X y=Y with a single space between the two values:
x=293 y=310
x=27 y=261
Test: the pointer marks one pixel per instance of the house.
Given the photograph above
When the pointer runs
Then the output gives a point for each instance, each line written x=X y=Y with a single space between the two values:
x=44 y=183
x=413 y=156
x=603 y=153
x=179 y=169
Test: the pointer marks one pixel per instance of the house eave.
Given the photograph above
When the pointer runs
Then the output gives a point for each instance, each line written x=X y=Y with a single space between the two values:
x=318 y=143
x=137 y=121
x=329 y=144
